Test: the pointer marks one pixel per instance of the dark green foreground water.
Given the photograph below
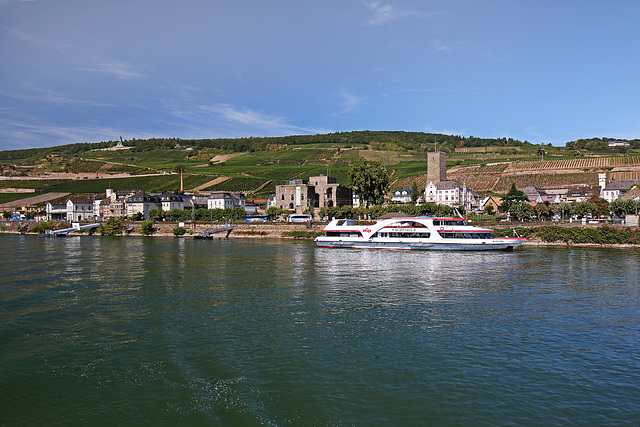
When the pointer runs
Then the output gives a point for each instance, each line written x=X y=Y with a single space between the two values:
x=166 y=331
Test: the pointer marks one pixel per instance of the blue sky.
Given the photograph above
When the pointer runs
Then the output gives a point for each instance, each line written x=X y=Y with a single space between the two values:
x=542 y=71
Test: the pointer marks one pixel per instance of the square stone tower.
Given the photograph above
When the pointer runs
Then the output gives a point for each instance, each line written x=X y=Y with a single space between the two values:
x=436 y=167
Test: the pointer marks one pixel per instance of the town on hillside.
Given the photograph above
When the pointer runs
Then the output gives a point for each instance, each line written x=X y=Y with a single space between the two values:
x=314 y=199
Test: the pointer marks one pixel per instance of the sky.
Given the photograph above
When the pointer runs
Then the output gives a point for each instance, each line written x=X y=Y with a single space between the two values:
x=539 y=71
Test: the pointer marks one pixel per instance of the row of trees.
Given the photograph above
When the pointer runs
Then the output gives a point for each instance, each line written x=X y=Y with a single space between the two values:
x=394 y=140
x=200 y=214
x=515 y=203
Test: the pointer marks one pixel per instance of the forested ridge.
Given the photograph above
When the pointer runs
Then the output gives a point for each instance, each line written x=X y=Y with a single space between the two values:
x=382 y=140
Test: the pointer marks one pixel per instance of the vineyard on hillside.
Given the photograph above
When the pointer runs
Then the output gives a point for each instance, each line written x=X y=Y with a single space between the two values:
x=581 y=163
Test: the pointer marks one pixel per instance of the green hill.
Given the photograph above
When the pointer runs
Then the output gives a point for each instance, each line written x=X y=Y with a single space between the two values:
x=257 y=165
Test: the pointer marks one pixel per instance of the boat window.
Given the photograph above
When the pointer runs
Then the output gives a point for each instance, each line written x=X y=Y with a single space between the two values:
x=452 y=235
x=449 y=222
x=343 y=234
x=406 y=224
x=404 y=234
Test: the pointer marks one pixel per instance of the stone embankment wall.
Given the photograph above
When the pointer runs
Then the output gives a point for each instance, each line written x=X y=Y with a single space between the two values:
x=276 y=230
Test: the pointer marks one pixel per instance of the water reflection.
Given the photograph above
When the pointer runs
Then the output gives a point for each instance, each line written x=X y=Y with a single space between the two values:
x=415 y=275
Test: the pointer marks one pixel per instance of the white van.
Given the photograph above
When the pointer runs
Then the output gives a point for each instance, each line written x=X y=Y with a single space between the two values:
x=299 y=218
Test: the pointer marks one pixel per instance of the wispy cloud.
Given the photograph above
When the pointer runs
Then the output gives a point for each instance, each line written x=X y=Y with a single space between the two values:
x=384 y=13
x=119 y=70
x=34 y=94
x=220 y=119
x=349 y=102
x=380 y=13
x=23 y=134
x=32 y=38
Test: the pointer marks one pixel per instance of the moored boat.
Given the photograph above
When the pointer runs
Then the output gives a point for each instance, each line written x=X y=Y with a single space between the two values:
x=414 y=233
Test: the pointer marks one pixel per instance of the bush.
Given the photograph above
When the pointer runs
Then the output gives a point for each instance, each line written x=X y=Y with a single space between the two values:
x=179 y=231
x=111 y=227
x=43 y=227
x=299 y=234
x=147 y=227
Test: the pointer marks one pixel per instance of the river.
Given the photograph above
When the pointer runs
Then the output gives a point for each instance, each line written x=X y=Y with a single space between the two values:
x=177 y=331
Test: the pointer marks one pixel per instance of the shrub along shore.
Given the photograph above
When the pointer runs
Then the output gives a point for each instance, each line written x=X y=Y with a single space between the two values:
x=603 y=235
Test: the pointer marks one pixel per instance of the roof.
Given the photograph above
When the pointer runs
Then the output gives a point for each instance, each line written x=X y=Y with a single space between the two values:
x=395 y=215
x=403 y=192
x=582 y=191
x=634 y=194
x=80 y=200
x=448 y=185
x=622 y=185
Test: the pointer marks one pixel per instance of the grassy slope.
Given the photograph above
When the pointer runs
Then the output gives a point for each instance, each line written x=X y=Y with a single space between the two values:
x=253 y=169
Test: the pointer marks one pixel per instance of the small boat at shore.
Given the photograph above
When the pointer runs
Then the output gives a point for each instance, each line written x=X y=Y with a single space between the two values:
x=414 y=233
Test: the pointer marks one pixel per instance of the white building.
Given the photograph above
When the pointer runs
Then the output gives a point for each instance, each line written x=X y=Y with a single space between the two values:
x=402 y=196
x=451 y=193
x=170 y=201
x=79 y=210
x=224 y=200
x=56 y=211
x=140 y=203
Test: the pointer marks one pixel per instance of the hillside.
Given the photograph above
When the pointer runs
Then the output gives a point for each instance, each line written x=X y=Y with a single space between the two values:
x=211 y=165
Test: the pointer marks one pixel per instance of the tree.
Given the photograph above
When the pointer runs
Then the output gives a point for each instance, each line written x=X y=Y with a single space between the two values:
x=602 y=206
x=624 y=207
x=415 y=193
x=514 y=196
x=146 y=227
x=156 y=213
x=111 y=227
x=543 y=211
x=370 y=180
x=521 y=211
x=583 y=209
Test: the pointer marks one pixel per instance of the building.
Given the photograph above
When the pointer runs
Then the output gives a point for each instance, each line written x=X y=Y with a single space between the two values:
x=297 y=196
x=491 y=202
x=632 y=194
x=559 y=194
x=80 y=209
x=451 y=193
x=225 y=200
x=321 y=191
x=581 y=193
x=271 y=201
x=113 y=204
x=537 y=194
x=56 y=211
x=404 y=195
x=614 y=190
x=170 y=201
x=619 y=144
x=328 y=193
x=138 y=202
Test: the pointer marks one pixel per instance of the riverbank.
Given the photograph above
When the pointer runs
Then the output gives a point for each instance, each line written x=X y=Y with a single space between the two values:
x=546 y=235
x=250 y=230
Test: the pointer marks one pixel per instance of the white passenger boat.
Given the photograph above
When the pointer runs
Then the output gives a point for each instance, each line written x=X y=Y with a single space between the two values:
x=414 y=233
